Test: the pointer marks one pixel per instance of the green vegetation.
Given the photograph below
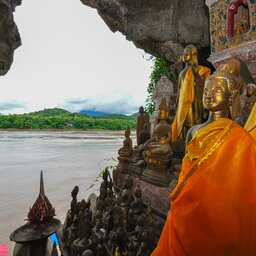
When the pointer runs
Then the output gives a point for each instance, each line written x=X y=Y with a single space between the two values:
x=57 y=118
x=161 y=67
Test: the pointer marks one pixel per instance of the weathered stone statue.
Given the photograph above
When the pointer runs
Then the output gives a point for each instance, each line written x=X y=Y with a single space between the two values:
x=83 y=241
x=33 y=238
x=189 y=106
x=126 y=150
x=126 y=196
x=137 y=202
x=74 y=200
x=141 y=120
x=158 y=149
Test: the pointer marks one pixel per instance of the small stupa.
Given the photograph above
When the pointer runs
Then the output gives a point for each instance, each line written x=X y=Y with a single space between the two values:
x=33 y=238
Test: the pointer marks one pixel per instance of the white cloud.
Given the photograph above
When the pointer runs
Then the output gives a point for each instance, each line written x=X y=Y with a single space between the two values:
x=72 y=54
x=119 y=105
x=10 y=105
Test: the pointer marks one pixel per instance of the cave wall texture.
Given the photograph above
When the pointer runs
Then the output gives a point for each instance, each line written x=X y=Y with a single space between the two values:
x=161 y=27
x=9 y=34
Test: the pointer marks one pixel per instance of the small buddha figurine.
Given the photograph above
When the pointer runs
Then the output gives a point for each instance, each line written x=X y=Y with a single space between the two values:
x=137 y=202
x=159 y=144
x=126 y=196
x=74 y=199
x=189 y=105
x=126 y=150
x=143 y=118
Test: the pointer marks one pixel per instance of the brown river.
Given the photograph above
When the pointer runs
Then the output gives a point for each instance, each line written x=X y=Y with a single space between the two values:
x=67 y=158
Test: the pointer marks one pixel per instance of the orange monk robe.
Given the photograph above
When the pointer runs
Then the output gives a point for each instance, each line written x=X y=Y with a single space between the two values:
x=213 y=210
x=250 y=125
x=186 y=98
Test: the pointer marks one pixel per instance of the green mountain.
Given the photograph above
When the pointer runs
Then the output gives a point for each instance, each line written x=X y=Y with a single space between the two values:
x=57 y=118
x=50 y=112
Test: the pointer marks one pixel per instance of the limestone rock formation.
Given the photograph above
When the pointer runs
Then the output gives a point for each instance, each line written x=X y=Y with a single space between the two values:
x=160 y=27
x=9 y=34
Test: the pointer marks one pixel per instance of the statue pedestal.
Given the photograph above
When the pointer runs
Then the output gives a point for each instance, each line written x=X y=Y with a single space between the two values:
x=157 y=170
x=130 y=165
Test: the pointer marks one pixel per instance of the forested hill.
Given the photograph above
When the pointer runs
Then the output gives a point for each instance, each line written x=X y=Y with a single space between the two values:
x=57 y=118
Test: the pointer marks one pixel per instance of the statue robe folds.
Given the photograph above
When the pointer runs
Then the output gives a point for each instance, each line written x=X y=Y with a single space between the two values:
x=250 y=125
x=213 y=208
x=187 y=97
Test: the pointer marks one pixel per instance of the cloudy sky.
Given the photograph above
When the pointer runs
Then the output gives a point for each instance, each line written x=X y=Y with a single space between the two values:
x=69 y=58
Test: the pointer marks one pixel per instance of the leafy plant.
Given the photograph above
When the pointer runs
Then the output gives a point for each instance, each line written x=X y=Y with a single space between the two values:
x=161 y=67
x=108 y=168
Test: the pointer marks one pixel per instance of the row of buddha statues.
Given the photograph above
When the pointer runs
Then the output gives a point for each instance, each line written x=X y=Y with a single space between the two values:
x=119 y=224
x=154 y=151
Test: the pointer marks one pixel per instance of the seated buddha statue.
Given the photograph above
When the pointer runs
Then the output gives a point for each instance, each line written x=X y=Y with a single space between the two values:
x=157 y=150
x=159 y=143
x=126 y=150
x=213 y=210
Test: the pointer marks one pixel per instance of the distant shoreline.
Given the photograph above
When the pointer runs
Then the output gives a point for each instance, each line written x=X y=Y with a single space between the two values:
x=65 y=130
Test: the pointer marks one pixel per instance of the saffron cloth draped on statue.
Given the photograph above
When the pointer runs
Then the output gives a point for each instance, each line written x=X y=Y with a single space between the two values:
x=213 y=210
x=187 y=99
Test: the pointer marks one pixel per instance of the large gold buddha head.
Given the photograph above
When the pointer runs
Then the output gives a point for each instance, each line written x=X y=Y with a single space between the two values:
x=163 y=110
x=190 y=54
x=221 y=88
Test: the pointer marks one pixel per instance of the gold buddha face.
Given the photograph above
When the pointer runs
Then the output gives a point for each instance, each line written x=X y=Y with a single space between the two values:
x=190 y=53
x=216 y=94
x=162 y=114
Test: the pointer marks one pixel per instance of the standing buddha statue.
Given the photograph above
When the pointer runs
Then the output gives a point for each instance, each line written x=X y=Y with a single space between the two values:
x=143 y=118
x=189 y=105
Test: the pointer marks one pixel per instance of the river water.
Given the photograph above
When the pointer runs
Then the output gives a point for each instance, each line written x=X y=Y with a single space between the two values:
x=67 y=159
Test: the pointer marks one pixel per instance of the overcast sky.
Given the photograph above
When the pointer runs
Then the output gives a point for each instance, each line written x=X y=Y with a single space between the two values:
x=69 y=58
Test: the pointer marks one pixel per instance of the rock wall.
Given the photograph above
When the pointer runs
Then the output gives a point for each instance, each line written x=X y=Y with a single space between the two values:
x=160 y=27
x=9 y=34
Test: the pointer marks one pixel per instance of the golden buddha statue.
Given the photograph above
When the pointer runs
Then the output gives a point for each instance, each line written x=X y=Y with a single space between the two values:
x=213 y=209
x=158 y=149
x=126 y=150
x=159 y=143
x=189 y=106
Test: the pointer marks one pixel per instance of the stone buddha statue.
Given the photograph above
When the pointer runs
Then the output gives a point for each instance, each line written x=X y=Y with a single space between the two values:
x=127 y=195
x=158 y=149
x=126 y=150
x=143 y=118
x=189 y=105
